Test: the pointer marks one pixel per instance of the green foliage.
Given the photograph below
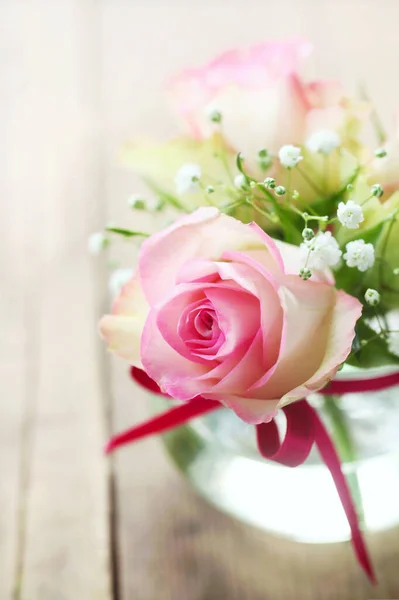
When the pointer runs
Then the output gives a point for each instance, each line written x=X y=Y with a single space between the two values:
x=369 y=349
x=127 y=232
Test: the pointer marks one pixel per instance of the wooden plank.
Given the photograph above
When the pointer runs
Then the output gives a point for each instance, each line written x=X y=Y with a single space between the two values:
x=12 y=413
x=67 y=531
x=53 y=178
x=15 y=409
x=170 y=543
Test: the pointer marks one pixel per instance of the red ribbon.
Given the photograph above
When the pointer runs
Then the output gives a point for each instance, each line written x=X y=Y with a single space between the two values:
x=174 y=417
x=304 y=428
x=357 y=386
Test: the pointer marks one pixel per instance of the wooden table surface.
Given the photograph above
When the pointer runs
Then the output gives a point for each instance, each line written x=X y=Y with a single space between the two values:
x=76 y=78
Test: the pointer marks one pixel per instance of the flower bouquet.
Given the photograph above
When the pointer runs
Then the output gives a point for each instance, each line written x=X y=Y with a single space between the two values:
x=278 y=267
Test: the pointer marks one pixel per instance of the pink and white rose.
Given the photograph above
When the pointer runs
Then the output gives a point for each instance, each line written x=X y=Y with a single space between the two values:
x=263 y=100
x=217 y=309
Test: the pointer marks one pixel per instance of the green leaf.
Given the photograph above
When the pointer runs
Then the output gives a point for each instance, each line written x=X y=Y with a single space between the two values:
x=163 y=195
x=239 y=163
x=127 y=232
x=374 y=353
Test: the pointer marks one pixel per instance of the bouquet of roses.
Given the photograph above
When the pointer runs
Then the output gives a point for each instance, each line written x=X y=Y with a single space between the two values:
x=281 y=262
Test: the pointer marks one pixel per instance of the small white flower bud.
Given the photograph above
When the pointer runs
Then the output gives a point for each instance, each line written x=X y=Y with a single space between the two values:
x=270 y=182
x=241 y=182
x=359 y=254
x=187 y=178
x=252 y=184
x=323 y=141
x=97 y=241
x=321 y=251
x=117 y=280
x=350 y=215
x=377 y=190
x=308 y=234
x=305 y=274
x=349 y=187
x=372 y=297
x=156 y=204
x=380 y=153
x=295 y=195
x=214 y=114
x=289 y=156
x=210 y=189
x=137 y=202
x=264 y=159
x=280 y=190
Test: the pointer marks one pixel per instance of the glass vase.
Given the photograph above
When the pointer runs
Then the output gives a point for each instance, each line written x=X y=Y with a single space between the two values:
x=218 y=455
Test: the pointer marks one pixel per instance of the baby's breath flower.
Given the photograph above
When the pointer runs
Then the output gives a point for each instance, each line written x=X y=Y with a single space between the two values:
x=289 y=156
x=350 y=214
x=324 y=141
x=136 y=202
x=270 y=182
x=214 y=114
x=187 y=178
x=117 y=280
x=264 y=159
x=210 y=189
x=97 y=241
x=156 y=204
x=359 y=254
x=377 y=190
x=280 y=190
x=308 y=234
x=372 y=297
x=380 y=153
x=241 y=182
x=305 y=273
x=322 y=251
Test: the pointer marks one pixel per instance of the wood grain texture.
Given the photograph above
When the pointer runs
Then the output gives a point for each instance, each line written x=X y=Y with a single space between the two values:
x=171 y=544
x=52 y=178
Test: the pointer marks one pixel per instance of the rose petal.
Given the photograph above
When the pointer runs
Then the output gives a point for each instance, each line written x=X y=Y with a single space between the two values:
x=251 y=410
x=122 y=330
x=307 y=318
x=175 y=374
x=347 y=310
x=123 y=335
x=238 y=316
x=205 y=233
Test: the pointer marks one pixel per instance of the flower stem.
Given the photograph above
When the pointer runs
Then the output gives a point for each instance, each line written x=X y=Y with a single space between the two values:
x=345 y=446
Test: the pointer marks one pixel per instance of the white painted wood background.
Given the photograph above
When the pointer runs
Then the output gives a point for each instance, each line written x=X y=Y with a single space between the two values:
x=76 y=78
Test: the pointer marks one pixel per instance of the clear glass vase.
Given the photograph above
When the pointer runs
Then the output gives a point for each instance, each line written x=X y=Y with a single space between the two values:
x=218 y=454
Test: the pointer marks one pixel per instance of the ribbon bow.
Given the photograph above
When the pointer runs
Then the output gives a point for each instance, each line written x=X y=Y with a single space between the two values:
x=304 y=428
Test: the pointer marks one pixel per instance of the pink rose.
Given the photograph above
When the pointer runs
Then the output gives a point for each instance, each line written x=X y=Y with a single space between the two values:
x=263 y=101
x=217 y=309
